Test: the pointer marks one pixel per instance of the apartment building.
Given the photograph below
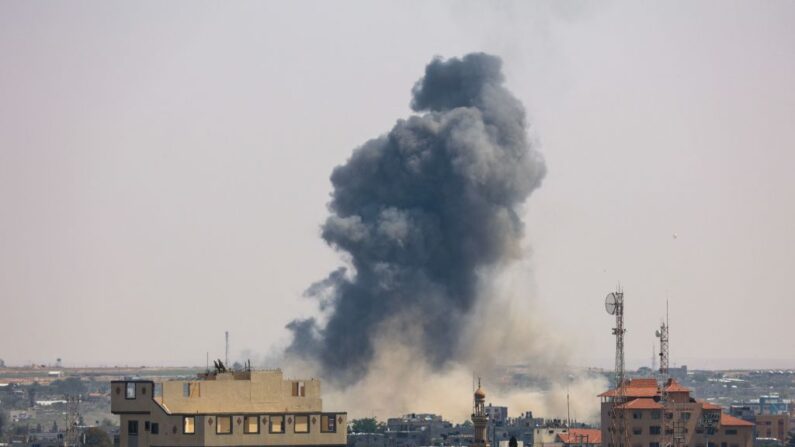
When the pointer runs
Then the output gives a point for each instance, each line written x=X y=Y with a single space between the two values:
x=643 y=413
x=248 y=408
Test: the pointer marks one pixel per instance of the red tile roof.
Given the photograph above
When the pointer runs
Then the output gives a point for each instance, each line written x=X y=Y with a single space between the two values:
x=584 y=435
x=643 y=383
x=674 y=387
x=709 y=406
x=731 y=421
x=641 y=404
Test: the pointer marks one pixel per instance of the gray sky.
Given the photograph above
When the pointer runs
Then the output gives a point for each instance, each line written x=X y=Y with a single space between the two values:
x=164 y=167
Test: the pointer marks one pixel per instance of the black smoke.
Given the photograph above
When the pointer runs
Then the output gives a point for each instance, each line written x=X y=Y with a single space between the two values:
x=423 y=213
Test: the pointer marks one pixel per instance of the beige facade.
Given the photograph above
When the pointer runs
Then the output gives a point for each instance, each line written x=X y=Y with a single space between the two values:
x=251 y=408
x=774 y=426
x=643 y=414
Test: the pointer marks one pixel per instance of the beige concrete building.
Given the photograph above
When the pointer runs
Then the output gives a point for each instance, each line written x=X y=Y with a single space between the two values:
x=773 y=426
x=250 y=408
x=642 y=413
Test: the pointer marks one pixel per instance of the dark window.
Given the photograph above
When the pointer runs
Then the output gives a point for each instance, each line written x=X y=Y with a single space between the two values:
x=654 y=430
x=146 y=425
x=132 y=427
x=251 y=425
x=155 y=428
x=223 y=425
x=301 y=424
x=189 y=425
x=129 y=392
x=328 y=423
x=656 y=414
x=654 y=444
x=637 y=430
x=637 y=415
x=731 y=431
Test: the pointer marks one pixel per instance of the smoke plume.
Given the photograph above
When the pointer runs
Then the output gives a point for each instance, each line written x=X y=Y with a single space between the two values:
x=428 y=216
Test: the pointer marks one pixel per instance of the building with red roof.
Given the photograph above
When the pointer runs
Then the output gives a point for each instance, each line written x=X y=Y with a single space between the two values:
x=643 y=413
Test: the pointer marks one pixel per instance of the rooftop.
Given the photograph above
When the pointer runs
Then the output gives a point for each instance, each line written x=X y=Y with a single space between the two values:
x=581 y=435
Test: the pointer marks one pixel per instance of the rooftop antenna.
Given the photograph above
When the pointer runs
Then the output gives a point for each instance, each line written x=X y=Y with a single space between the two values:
x=614 y=304
x=662 y=334
x=226 y=352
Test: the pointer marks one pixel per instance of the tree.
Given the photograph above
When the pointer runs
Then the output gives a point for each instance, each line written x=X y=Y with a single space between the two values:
x=364 y=425
x=96 y=437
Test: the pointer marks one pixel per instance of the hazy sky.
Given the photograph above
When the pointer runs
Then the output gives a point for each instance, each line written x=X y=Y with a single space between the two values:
x=164 y=167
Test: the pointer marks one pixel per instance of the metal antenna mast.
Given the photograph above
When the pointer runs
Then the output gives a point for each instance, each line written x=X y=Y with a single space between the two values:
x=662 y=334
x=614 y=304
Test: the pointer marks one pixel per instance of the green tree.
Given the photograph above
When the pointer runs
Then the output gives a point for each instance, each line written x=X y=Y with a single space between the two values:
x=364 y=425
x=96 y=437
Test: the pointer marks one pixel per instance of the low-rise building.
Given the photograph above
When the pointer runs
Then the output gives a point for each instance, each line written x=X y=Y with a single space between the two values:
x=247 y=408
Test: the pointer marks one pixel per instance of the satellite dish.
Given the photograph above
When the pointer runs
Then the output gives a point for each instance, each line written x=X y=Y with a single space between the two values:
x=657 y=333
x=611 y=303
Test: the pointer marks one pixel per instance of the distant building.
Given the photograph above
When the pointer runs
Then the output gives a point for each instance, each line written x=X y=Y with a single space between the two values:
x=772 y=426
x=497 y=415
x=767 y=404
x=641 y=413
x=246 y=408
x=416 y=429
x=770 y=414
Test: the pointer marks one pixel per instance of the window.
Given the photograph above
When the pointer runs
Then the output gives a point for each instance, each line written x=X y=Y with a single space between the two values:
x=299 y=390
x=189 y=425
x=186 y=389
x=654 y=444
x=656 y=414
x=251 y=425
x=654 y=430
x=277 y=424
x=146 y=425
x=155 y=428
x=637 y=430
x=301 y=424
x=637 y=415
x=129 y=392
x=328 y=423
x=686 y=416
x=669 y=415
x=731 y=431
x=132 y=428
x=223 y=425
